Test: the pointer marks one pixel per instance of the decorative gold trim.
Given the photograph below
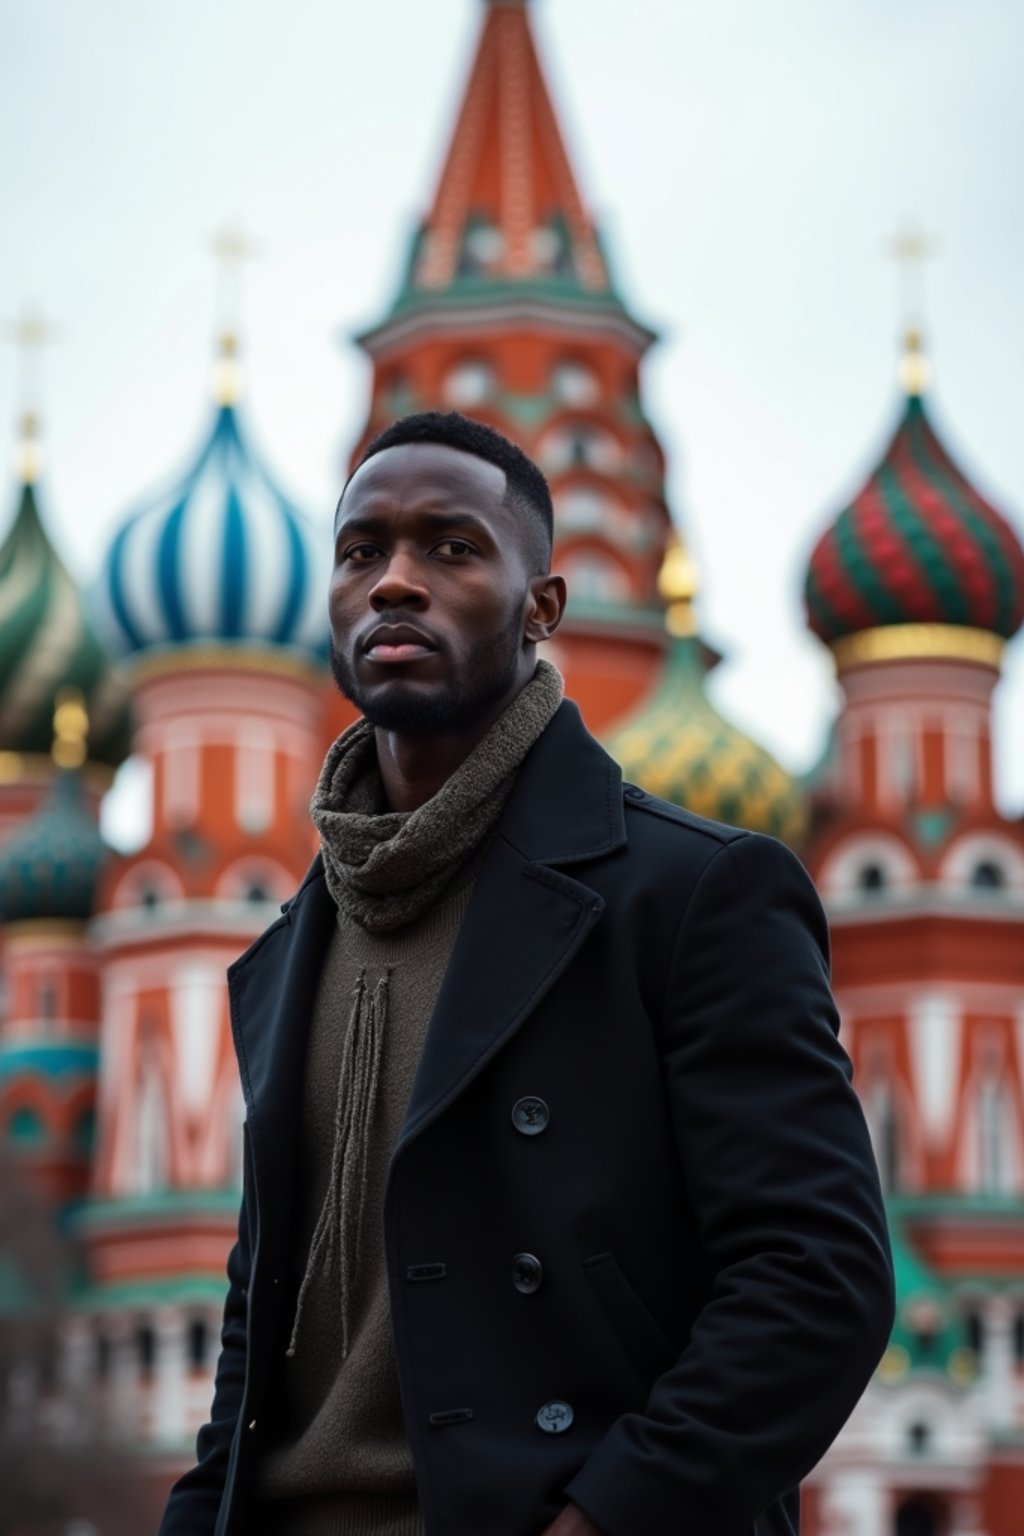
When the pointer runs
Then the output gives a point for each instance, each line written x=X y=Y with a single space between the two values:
x=912 y=642
x=222 y=659
x=40 y=932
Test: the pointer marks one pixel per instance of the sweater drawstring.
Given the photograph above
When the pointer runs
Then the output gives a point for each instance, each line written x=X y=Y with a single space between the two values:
x=338 y=1234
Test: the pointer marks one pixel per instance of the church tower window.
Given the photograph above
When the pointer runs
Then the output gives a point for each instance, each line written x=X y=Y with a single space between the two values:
x=469 y=383
x=574 y=383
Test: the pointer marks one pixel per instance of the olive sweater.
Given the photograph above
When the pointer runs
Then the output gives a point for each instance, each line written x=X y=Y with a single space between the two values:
x=337 y=1461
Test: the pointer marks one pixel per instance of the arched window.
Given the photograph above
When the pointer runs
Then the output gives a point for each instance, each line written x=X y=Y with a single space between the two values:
x=974 y=1330
x=583 y=510
x=148 y=885
x=574 y=383
x=920 y=1515
x=145 y=1349
x=198 y=1343
x=984 y=862
x=596 y=579
x=871 y=878
x=579 y=445
x=988 y=875
x=919 y=1439
x=866 y=865
x=483 y=244
x=469 y=383
x=254 y=880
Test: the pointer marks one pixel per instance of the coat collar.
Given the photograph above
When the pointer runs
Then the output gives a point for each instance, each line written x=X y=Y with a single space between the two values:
x=566 y=805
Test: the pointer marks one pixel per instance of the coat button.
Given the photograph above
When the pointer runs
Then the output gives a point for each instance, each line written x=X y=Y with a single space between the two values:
x=527 y=1273
x=530 y=1115
x=555 y=1418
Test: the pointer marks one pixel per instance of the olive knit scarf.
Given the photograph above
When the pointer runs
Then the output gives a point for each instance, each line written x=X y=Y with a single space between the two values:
x=386 y=867
x=384 y=870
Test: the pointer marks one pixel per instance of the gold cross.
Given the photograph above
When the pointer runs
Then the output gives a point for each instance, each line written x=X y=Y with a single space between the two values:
x=231 y=247
x=30 y=333
x=911 y=248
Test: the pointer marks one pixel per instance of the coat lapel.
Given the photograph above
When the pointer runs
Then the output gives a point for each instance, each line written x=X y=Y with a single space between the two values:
x=526 y=919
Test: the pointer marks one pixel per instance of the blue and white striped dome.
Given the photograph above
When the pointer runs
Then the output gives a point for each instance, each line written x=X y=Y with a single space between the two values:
x=222 y=559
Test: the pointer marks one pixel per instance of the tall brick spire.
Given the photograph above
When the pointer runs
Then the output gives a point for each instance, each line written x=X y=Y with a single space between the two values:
x=507 y=205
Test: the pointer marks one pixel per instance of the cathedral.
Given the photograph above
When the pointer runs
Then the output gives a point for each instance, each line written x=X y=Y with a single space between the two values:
x=201 y=652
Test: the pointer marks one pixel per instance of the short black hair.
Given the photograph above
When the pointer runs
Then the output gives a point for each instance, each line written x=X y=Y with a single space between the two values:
x=527 y=492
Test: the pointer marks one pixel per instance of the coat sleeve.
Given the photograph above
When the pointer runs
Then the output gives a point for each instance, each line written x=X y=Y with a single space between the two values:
x=779 y=1169
x=195 y=1500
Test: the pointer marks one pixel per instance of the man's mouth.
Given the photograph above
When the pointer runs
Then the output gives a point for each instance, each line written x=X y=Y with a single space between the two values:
x=397 y=643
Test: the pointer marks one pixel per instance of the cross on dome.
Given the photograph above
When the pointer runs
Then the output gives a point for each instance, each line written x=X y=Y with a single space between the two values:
x=911 y=248
x=30 y=333
x=231 y=248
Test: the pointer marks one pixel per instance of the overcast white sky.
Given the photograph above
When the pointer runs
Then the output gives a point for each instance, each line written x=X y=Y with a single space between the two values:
x=748 y=161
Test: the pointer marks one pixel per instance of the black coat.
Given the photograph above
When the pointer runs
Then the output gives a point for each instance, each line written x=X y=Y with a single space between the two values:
x=632 y=1074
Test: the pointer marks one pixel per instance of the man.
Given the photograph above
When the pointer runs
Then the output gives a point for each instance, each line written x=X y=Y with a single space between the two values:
x=560 y=1214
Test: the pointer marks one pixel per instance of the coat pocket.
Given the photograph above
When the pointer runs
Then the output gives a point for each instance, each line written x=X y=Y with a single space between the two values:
x=646 y=1343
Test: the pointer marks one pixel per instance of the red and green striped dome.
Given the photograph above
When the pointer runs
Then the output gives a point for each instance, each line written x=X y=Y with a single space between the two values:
x=918 y=545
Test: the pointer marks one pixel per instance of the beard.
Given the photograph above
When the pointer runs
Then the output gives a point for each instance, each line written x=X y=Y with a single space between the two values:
x=486 y=674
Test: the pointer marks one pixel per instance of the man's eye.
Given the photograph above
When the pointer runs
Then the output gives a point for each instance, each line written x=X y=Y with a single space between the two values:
x=455 y=547
x=359 y=552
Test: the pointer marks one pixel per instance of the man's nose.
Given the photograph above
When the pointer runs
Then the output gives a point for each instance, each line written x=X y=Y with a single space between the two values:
x=400 y=584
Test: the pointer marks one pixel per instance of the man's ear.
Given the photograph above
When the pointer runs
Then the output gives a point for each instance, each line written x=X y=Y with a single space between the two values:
x=544 y=608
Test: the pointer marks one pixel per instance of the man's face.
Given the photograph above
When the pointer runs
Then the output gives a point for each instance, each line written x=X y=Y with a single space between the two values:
x=429 y=591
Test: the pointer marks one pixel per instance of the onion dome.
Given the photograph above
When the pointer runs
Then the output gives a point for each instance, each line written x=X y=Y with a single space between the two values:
x=50 y=866
x=677 y=746
x=47 y=642
x=918 y=545
x=220 y=560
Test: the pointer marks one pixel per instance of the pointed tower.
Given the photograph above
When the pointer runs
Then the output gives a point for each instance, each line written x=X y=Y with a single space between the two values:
x=675 y=743
x=214 y=592
x=49 y=868
x=508 y=311
x=916 y=587
x=47 y=644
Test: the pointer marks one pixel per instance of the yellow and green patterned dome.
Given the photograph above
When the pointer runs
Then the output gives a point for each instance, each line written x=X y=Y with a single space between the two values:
x=677 y=746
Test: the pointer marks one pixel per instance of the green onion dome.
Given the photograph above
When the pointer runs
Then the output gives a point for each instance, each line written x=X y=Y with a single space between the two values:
x=50 y=866
x=677 y=746
x=918 y=545
x=47 y=644
x=927 y=1334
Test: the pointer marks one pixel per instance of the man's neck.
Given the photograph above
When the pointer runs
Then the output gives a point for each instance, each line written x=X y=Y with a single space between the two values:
x=413 y=768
